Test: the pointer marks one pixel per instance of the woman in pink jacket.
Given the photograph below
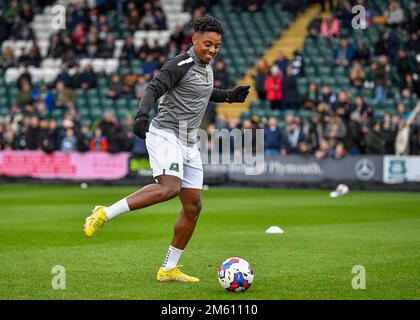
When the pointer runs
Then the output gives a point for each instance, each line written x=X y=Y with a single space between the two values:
x=330 y=27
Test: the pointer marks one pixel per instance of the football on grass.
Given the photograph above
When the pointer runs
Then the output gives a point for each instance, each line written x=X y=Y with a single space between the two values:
x=235 y=275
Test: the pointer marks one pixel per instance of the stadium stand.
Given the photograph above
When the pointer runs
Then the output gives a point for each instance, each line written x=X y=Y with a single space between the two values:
x=92 y=73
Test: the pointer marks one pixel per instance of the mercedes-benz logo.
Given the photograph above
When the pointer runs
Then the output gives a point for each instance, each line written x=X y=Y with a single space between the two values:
x=365 y=169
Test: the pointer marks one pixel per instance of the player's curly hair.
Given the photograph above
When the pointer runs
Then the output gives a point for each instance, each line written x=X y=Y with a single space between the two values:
x=207 y=24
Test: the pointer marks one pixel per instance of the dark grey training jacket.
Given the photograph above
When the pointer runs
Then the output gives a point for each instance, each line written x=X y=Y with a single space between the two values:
x=187 y=85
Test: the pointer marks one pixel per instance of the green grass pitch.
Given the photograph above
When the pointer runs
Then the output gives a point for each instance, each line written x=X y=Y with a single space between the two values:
x=41 y=227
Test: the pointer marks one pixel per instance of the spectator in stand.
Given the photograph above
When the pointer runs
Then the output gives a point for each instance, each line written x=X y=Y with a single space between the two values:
x=128 y=51
x=323 y=151
x=326 y=95
x=147 y=21
x=7 y=58
x=402 y=112
x=339 y=151
x=83 y=139
x=343 y=55
x=388 y=44
x=111 y=129
x=32 y=134
x=172 y=50
x=98 y=142
x=412 y=45
x=33 y=58
x=178 y=36
x=410 y=88
x=26 y=14
x=335 y=130
x=144 y=50
x=388 y=137
x=413 y=22
x=297 y=64
x=272 y=138
x=330 y=26
x=360 y=111
x=380 y=72
x=114 y=88
x=140 y=86
x=133 y=21
x=362 y=53
x=274 y=88
x=11 y=14
x=44 y=94
x=24 y=95
x=81 y=48
x=394 y=15
x=77 y=14
x=344 y=12
x=311 y=97
x=293 y=136
x=88 y=78
x=160 y=20
x=220 y=75
x=290 y=94
x=23 y=31
x=46 y=141
x=342 y=106
x=405 y=65
x=127 y=90
x=64 y=97
x=374 y=144
x=55 y=49
x=282 y=62
x=357 y=75
x=78 y=34
x=150 y=65
x=24 y=77
x=106 y=49
x=260 y=77
x=314 y=27
x=69 y=142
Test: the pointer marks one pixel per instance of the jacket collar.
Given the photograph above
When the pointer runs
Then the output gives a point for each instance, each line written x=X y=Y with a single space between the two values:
x=195 y=58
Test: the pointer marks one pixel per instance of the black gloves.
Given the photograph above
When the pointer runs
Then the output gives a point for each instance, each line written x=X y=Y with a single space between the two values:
x=141 y=126
x=238 y=94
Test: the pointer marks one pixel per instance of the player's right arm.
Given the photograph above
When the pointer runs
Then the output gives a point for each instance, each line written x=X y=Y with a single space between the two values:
x=166 y=78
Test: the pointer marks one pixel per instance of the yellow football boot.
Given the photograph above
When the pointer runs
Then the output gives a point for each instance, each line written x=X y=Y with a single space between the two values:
x=174 y=274
x=96 y=220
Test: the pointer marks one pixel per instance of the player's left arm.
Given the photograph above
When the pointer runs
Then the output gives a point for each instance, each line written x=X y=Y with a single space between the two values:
x=238 y=94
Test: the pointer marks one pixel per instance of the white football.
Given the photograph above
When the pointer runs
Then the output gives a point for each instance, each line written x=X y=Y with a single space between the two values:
x=235 y=274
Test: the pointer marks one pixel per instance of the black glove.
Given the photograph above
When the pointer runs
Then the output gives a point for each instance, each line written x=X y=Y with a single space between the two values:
x=238 y=94
x=141 y=125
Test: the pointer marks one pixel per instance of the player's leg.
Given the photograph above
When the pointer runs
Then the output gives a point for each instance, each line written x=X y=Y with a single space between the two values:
x=183 y=230
x=190 y=197
x=167 y=165
x=167 y=188
x=188 y=217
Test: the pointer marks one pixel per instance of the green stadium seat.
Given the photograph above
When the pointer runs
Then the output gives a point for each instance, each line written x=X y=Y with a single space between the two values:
x=93 y=102
x=96 y=113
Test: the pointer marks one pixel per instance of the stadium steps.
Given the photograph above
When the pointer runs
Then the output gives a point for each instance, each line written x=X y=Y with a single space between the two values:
x=291 y=39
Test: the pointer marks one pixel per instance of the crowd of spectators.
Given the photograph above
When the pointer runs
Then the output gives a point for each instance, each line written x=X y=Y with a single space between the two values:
x=340 y=122
x=31 y=124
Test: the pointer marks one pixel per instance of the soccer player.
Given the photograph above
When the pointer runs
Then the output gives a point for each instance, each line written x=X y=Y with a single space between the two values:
x=186 y=82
